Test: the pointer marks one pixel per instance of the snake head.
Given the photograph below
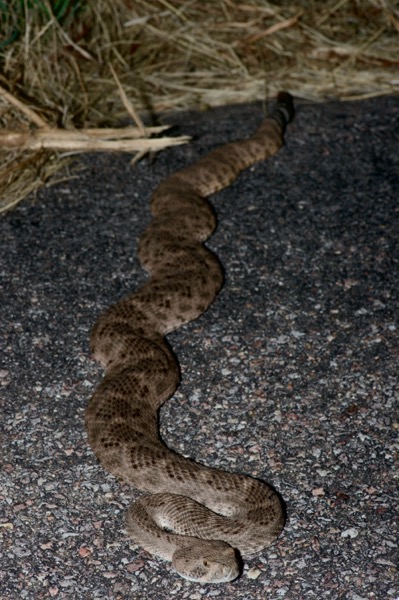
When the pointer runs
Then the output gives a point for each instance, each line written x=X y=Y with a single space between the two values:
x=207 y=561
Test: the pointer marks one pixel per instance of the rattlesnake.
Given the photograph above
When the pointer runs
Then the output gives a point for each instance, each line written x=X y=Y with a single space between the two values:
x=200 y=518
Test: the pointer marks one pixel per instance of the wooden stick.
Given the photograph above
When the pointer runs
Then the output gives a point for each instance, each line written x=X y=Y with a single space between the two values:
x=118 y=133
x=85 y=141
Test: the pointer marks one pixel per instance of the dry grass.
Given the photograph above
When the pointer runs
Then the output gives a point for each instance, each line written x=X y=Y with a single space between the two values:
x=57 y=58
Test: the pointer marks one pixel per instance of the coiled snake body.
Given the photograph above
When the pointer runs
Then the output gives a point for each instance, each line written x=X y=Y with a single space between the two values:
x=197 y=517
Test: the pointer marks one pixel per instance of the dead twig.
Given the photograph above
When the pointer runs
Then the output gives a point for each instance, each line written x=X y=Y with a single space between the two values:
x=107 y=140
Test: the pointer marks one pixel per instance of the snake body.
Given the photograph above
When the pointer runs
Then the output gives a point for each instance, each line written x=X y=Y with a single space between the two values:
x=199 y=518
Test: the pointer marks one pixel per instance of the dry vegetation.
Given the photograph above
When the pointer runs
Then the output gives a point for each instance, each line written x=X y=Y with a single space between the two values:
x=75 y=64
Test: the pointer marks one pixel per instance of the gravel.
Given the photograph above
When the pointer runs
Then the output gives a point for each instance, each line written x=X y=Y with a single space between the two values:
x=291 y=375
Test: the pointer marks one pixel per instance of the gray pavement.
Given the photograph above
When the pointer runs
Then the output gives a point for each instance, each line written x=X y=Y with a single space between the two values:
x=291 y=375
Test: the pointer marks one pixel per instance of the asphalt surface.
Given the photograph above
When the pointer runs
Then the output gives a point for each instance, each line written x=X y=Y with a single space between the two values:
x=290 y=376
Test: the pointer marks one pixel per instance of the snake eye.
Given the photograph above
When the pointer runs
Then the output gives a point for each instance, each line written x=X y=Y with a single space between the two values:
x=205 y=563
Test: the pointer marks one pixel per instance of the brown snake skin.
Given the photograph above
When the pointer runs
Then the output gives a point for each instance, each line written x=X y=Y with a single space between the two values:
x=197 y=517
